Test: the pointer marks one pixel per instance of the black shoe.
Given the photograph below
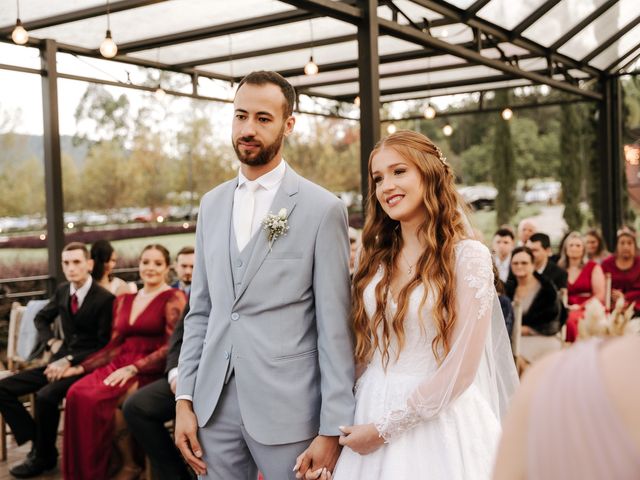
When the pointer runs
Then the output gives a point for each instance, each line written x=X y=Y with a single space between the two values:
x=32 y=467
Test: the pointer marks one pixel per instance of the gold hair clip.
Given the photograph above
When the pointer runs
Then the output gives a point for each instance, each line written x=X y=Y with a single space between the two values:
x=441 y=156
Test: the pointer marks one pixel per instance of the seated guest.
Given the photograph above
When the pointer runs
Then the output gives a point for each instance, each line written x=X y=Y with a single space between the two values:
x=503 y=243
x=575 y=416
x=104 y=261
x=184 y=269
x=596 y=249
x=624 y=267
x=135 y=356
x=85 y=309
x=540 y=245
x=526 y=228
x=585 y=280
x=538 y=300
x=147 y=410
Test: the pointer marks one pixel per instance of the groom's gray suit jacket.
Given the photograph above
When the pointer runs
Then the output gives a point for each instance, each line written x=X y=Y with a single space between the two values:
x=285 y=328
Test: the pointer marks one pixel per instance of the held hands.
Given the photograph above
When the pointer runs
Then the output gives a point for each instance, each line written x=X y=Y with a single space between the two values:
x=186 y=436
x=362 y=439
x=55 y=370
x=120 y=376
x=319 y=459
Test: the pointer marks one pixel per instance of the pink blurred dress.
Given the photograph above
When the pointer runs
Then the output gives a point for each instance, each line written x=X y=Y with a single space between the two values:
x=575 y=431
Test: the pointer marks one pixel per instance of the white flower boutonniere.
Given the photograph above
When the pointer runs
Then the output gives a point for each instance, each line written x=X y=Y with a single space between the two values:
x=275 y=225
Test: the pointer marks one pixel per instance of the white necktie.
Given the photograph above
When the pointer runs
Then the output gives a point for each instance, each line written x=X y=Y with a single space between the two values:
x=247 y=203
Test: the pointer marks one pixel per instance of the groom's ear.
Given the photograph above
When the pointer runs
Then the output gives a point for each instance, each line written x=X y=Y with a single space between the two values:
x=289 y=123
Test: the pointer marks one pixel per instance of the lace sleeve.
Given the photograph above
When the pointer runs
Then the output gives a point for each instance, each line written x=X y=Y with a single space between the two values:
x=474 y=303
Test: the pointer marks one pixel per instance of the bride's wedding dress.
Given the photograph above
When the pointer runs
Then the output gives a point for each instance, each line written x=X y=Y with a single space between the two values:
x=441 y=422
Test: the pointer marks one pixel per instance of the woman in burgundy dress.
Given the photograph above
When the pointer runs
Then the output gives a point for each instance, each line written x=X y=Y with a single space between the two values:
x=135 y=356
x=585 y=280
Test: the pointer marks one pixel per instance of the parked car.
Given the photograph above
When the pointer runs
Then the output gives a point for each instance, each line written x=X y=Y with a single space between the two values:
x=479 y=196
x=544 y=192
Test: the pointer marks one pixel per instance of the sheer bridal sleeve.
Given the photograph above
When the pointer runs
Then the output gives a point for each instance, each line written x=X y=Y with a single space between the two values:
x=475 y=293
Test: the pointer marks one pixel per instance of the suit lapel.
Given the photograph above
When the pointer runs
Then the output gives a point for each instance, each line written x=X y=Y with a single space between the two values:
x=285 y=198
x=226 y=224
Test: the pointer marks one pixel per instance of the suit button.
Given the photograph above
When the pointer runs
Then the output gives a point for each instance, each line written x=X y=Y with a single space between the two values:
x=239 y=263
x=235 y=316
x=227 y=355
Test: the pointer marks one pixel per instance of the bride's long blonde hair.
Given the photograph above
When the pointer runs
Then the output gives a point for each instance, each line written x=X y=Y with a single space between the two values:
x=442 y=227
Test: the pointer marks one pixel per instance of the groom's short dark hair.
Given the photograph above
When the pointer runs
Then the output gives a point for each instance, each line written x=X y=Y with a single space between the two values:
x=263 y=77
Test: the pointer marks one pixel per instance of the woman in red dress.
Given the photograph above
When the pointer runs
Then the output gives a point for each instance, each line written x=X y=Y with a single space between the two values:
x=135 y=356
x=585 y=280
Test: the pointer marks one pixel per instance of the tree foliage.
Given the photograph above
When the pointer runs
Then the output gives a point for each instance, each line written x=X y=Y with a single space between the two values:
x=504 y=171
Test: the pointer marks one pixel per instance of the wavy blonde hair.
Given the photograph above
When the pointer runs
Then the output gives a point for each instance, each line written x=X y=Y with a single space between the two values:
x=442 y=228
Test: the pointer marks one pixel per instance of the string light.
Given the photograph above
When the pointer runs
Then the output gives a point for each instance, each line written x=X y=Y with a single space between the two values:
x=108 y=48
x=311 y=68
x=20 y=36
x=447 y=130
x=391 y=129
x=507 y=113
x=356 y=101
x=429 y=112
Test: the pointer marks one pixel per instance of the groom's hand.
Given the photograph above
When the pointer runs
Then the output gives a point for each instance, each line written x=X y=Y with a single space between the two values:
x=186 y=435
x=318 y=459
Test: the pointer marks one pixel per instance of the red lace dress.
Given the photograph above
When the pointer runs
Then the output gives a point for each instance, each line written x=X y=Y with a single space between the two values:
x=91 y=405
x=579 y=292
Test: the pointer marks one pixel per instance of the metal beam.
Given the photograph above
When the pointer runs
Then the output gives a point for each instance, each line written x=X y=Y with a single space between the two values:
x=503 y=34
x=623 y=58
x=537 y=14
x=582 y=24
x=252 y=23
x=476 y=7
x=369 y=90
x=611 y=40
x=77 y=15
x=268 y=51
x=629 y=63
x=329 y=8
x=412 y=35
x=52 y=162
x=611 y=159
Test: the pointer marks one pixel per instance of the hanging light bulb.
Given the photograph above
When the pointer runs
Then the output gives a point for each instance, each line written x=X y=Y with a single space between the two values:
x=430 y=112
x=311 y=68
x=507 y=113
x=447 y=130
x=356 y=101
x=159 y=93
x=19 y=35
x=108 y=47
x=391 y=129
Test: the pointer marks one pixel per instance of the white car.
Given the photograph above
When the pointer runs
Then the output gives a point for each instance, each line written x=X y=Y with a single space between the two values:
x=479 y=196
x=545 y=192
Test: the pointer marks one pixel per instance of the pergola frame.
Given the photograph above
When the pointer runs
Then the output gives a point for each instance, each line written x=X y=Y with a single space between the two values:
x=599 y=85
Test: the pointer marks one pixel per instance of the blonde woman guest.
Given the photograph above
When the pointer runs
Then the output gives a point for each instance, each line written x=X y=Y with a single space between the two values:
x=428 y=326
x=585 y=280
x=104 y=262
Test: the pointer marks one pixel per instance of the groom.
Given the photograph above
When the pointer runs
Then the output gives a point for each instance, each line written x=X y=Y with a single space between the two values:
x=266 y=368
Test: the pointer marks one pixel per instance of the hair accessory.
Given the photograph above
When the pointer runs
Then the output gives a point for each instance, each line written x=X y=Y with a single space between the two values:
x=441 y=156
x=625 y=230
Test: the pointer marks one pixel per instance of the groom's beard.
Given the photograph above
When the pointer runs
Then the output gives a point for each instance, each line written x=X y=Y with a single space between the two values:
x=264 y=155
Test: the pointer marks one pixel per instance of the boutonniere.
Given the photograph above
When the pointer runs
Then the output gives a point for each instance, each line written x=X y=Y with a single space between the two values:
x=275 y=226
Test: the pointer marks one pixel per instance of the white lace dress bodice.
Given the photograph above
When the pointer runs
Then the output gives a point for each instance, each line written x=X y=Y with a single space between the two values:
x=435 y=422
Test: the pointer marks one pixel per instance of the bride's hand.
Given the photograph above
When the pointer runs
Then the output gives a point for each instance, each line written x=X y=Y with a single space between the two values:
x=362 y=439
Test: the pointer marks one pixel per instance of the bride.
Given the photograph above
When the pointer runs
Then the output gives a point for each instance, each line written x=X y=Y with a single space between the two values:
x=428 y=327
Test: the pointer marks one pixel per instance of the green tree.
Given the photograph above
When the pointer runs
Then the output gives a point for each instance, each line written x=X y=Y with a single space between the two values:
x=504 y=175
x=571 y=165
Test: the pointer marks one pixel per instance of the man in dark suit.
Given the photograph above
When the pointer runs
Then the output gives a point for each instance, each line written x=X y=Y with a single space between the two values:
x=184 y=269
x=85 y=309
x=540 y=245
x=147 y=410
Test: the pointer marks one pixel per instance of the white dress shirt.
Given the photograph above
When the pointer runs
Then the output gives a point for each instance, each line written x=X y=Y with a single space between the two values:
x=264 y=195
x=81 y=293
x=503 y=266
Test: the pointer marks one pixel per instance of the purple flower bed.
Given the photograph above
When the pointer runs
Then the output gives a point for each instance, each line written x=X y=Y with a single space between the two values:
x=90 y=236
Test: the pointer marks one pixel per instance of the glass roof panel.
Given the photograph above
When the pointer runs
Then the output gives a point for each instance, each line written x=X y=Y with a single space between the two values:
x=620 y=48
x=289 y=34
x=560 y=19
x=20 y=56
x=454 y=90
x=437 y=77
x=414 y=11
x=605 y=26
x=462 y=3
x=508 y=13
x=156 y=20
x=37 y=9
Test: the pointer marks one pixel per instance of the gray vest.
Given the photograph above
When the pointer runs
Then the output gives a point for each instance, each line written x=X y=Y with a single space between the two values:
x=239 y=261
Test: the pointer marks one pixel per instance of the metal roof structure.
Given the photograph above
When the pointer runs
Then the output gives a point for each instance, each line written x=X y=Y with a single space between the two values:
x=377 y=50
